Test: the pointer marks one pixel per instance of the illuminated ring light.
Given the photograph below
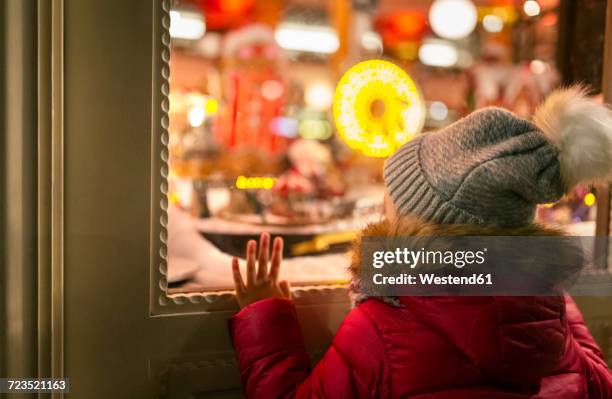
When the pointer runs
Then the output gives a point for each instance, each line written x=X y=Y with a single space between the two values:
x=377 y=108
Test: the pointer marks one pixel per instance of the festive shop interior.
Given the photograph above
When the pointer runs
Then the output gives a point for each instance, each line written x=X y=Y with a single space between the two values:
x=204 y=199
x=283 y=112
x=198 y=198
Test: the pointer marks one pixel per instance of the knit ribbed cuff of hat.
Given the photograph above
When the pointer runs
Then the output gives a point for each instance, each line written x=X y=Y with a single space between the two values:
x=403 y=173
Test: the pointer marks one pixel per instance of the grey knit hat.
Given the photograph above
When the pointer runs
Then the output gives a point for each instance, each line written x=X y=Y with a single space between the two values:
x=493 y=167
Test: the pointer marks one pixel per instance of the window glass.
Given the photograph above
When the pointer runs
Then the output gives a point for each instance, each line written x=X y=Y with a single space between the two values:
x=254 y=145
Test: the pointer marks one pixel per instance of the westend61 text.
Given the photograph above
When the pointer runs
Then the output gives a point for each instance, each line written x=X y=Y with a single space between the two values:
x=432 y=279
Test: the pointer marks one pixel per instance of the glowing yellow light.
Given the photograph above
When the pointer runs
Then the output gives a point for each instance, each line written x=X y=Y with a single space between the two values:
x=268 y=183
x=589 y=199
x=241 y=182
x=508 y=14
x=549 y=205
x=255 y=183
x=377 y=108
x=211 y=106
x=174 y=198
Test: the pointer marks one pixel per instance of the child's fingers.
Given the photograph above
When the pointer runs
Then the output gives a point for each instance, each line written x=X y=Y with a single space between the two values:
x=264 y=254
x=250 y=262
x=285 y=288
x=238 y=283
x=277 y=257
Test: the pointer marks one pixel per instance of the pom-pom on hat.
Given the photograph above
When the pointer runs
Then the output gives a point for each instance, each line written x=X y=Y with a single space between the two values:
x=493 y=167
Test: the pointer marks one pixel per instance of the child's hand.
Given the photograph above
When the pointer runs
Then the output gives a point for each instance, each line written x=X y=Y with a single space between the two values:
x=260 y=283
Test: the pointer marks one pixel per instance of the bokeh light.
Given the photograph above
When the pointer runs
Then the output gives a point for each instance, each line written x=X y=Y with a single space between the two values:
x=453 y=19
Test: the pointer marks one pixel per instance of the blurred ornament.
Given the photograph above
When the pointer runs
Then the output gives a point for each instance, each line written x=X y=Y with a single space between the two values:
x=284 y=126
x=438 y=53
x=372 y=41
x=453 y=19
x=310 y=158
x=408 y=25
x=196 y=116
x=315 y=129
x=251 y=41
x=293 y=182
x=234 y=6
x=319 y=95
x=271 y=90
x=407 y=50
x=507 y=13
x=225 y=14
x=186 y=24
x=209 y=46
x=531 y=8
x=549 y=19
x=254 y=91
x=307 y=38
x=377 y=108
x=492 y=23
x=538 y=67
x=401 y=27
x=438 y=111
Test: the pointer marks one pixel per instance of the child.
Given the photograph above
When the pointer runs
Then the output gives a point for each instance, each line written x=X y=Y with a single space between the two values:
x=485 y=172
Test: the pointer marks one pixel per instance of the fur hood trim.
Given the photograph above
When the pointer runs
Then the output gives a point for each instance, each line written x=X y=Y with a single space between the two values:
x=415 y=227
x=410 y=226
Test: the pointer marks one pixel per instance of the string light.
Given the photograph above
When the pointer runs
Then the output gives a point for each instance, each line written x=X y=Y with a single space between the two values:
x=492 y=23
x=254 y=183
x=196 y=115
x=589 y=199
x=211 y=106
x=453 y=19
x=531 y=8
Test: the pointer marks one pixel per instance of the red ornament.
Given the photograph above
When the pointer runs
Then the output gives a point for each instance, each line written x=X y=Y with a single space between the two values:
x=404 y=26
x=225 y=14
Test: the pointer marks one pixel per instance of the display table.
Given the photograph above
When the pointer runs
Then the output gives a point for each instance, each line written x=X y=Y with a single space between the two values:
x=195 y=263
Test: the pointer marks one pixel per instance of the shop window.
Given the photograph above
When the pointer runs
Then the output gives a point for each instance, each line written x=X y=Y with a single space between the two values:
x=253 y=145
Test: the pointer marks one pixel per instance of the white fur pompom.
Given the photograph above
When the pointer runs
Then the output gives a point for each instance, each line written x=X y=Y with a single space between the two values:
x=581 y=129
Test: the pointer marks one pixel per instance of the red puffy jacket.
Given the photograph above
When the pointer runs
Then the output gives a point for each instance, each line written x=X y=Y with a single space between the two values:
x=432 y=347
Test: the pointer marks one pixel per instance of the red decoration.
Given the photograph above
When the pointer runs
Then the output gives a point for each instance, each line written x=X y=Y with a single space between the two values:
x=225 y=14
x=401 y=26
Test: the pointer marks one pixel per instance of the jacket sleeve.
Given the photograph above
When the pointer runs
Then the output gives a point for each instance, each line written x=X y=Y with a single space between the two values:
x=274 y=363
x=583 y=354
